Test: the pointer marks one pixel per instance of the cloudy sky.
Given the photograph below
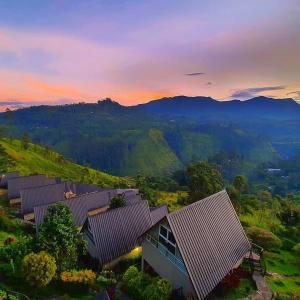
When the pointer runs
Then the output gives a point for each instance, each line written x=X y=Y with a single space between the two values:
x=63 y=51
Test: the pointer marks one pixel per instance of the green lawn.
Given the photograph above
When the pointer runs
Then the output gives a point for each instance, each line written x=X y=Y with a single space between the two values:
x=287 y=266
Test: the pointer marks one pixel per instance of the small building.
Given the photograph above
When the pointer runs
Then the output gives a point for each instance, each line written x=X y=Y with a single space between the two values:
x=113 y=234
x=15 y=185
x=40 y=195
x=4 y=178
x=197 y=246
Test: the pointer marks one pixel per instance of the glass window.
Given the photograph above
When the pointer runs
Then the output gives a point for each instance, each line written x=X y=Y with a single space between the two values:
x=171 y=238
x=164 y=231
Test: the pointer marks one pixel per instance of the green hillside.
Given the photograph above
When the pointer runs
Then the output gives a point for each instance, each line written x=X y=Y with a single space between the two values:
x=36 y=159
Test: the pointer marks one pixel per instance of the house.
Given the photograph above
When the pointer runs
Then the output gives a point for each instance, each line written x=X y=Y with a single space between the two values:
x=4 y=178
x=113 y=234
x=40 y=195
x=83 y=206
x=197 y=246
x=15 y=185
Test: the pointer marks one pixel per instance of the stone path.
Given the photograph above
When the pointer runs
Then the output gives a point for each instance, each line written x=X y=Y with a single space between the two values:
x=263 y=290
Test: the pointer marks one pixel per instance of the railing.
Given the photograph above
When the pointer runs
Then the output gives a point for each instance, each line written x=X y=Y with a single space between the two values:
x=258 y=250
x=164 y=251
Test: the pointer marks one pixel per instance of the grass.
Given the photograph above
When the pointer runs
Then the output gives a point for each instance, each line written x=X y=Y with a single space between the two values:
x=170 y=199
x=37 y=159
x=246 y=288
x=287 y=266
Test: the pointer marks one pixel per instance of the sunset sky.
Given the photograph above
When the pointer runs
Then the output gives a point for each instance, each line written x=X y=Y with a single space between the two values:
x=135 y=51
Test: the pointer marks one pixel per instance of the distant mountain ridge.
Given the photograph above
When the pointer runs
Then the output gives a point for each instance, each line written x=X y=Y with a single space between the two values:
x=162 y=135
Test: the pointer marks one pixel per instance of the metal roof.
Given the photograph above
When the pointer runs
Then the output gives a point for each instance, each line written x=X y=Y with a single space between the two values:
x=158 y=213
x=80 y=188
x=6 y=176
x=210 y=238
x=41 y=195
x=116 y=231
x=76 y=205
x=15 y=185
x=79 y=205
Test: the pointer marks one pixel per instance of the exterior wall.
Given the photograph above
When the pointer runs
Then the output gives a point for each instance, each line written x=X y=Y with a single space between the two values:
x=165 y=268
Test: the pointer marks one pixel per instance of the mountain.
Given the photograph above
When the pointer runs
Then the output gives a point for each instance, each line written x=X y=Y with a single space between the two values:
x=40 y=160
x=163 y=135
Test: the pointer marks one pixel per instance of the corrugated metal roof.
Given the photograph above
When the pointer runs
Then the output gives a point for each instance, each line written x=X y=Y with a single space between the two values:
x=6 y=176
x=158 y=213
x=210 y=238
x=80 y=188
x=76 y=205
x=15 y=185
x=116 y=231
x=41 y=195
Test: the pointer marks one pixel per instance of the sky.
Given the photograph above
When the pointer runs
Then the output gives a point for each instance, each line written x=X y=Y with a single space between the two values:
x=63 y=51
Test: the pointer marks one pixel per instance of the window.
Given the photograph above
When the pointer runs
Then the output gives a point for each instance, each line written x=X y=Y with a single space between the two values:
x=166 y=238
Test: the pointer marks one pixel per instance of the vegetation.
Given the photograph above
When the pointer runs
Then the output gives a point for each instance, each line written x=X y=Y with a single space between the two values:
x=38 y=268
x=58 y=236
x=41 y=160
x=80 y=277
x=117 y=201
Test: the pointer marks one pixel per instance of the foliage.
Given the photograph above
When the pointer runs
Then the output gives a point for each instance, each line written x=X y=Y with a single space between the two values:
x=58 y=236
x=25 y=140
x=38 y=268
x=241 y=184
x=296 y=249
x=160 y=289
x=106 y=279
x=7 y=296
x=10 y=240
x=117 y=201
x=80 y=277
x=41 y=160
x=203 y=180
x=264 y=238
x=17 y=250
x=6 y=223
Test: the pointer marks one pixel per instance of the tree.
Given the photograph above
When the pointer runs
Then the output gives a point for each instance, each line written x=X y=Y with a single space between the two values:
x=241 y=184
x=25 y=140
x=38 y=268
x=203 y=180
x=58 y=236
x=117 y=201
x=264 y=238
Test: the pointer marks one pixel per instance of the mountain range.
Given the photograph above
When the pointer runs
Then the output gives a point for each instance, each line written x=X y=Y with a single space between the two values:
x=163 y=135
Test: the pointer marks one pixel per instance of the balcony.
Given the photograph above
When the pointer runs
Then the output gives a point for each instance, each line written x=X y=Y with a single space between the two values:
x=165 y=252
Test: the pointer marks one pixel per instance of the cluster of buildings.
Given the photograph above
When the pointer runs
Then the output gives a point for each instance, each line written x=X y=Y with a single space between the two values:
x=195 y=247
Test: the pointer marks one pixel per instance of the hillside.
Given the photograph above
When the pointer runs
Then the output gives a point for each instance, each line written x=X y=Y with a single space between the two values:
x=164 y=135
x=36 y=159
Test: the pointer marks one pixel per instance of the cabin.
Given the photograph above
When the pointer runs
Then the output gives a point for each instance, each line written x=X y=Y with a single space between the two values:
x=113 y=234
x=4 y=178
x=196 y=246
x=15 y=185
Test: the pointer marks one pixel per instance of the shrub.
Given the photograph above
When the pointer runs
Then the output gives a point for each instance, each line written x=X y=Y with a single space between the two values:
x=10 y=240
x=296 y=249
x=160 y=289
x=264 y=238
x=117 y=201
x=6 y=224
x=79 y=277
x=106 y=279
x=38 y=268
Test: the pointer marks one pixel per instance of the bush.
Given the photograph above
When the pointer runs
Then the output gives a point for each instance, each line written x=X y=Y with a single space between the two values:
x=264 y=238
x=10 y=240
x=86 y=277
x=117 y=201
x=38 y=268
x=106 y=279
x=160 y=289
x=296 y=249
x=6 y=224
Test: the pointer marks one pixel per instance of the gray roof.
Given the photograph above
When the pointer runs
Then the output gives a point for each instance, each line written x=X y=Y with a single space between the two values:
x=6 y=176
x=116 y=231
x=41 y=195
x=80 y=188
x=79 y=205
x=158 y=213
x=210 y=238
x=15 y=185
x=76 y=205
